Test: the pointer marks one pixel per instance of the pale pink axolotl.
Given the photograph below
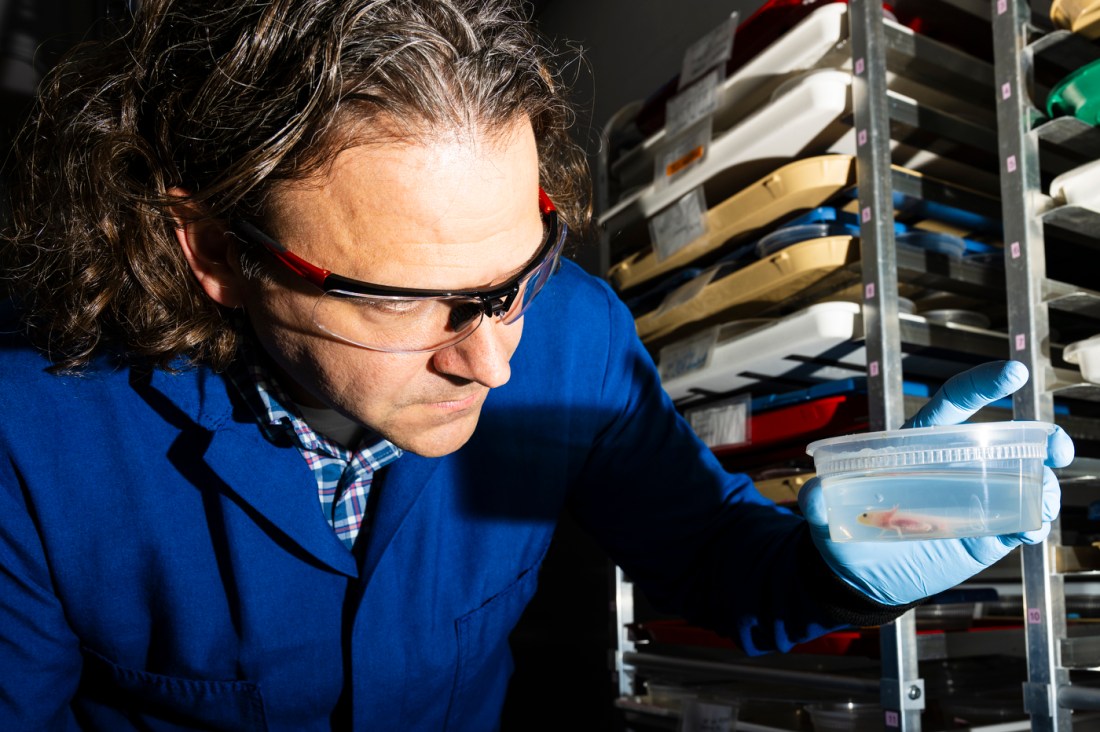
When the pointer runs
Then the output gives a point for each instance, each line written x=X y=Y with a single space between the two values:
x=913 y=524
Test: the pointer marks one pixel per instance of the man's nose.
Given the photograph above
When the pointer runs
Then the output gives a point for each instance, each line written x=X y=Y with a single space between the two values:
x=483 y=356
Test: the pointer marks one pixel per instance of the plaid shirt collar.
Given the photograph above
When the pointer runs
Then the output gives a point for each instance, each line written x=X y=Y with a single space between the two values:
x=266 y=398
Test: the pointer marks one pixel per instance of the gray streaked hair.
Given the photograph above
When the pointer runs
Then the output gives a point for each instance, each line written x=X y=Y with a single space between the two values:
x=226 y=99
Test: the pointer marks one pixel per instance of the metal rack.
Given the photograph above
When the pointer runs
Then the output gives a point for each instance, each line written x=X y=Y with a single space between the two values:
x=1029 y=146
x=877 y=116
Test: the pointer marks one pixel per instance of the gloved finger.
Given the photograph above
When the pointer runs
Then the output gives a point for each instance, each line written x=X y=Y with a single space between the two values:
x=1052 y=504
x=812 y=503
x=1052 y=495
x=1059 y=449
x=964 y=394
x=1035 y=537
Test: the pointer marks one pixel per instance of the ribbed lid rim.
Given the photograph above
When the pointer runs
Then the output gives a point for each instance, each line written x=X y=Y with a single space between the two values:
x=875 y=451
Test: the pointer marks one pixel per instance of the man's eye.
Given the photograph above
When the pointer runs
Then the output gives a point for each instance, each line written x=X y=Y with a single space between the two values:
x=394 y=307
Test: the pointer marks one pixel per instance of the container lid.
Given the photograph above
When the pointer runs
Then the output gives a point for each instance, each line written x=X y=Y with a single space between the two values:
x=1072 y=351
x=789 y=235
x=983 y=441
x=934 y=241
x=957 y=316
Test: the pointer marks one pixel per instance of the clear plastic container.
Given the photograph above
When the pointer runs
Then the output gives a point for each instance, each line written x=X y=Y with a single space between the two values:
x=846 y=717
x=933 y=482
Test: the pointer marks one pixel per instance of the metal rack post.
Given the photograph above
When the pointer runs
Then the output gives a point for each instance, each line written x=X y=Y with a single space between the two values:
x=902 y=690
x=1029 y=341
x=622 y=614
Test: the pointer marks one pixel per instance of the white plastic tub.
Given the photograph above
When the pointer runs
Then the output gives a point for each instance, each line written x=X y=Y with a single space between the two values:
x=933 y=482
x=1086 y=354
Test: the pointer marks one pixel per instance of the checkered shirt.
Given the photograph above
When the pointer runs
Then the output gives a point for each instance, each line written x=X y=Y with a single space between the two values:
x=343 y=476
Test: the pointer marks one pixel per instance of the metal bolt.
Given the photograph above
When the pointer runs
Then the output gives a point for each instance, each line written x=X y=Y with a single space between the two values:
x=914 y=692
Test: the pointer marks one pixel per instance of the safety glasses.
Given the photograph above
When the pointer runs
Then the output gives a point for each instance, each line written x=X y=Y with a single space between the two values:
x=412 y=320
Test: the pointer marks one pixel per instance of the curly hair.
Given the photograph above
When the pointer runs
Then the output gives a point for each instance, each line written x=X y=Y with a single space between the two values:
x=226 y=99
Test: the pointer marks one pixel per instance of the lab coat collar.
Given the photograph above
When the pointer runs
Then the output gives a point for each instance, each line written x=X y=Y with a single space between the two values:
x=221 y=448
x=221 y=441
x=402 y=483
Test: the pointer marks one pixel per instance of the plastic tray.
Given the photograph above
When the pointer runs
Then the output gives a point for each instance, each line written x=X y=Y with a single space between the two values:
x=846 y=717
x=768 y=350
x=780 y=130
x=829 y=415
x=784 y=489
x=934 y=482
x=817 y=41
x=799 y=185
x=808 y=115
x=749 y=290
x=809 y=43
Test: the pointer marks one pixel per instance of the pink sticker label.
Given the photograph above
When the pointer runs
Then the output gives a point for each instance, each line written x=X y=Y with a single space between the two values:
x=873 y=368
x=862 y=137
x=1034 y=616
x=1006 y=91
x=866 y=214
x=1021 y=342
x=869 y=293
x=1015 y=249
x=859 y=66
x=1002 y=6
x=892 y=719
x=1011 y=164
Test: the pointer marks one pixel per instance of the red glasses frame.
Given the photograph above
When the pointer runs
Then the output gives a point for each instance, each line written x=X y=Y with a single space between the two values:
x=328 y=281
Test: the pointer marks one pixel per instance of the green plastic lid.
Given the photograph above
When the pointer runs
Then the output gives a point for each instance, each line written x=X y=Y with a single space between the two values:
x=1078 y=94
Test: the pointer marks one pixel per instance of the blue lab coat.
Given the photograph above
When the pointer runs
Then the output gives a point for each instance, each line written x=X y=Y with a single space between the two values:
x=164 y=566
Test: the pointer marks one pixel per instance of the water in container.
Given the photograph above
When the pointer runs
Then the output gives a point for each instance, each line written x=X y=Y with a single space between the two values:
x=928 y=505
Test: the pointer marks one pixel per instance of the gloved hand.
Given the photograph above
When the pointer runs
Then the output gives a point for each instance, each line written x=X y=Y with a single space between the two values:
x=899 y=573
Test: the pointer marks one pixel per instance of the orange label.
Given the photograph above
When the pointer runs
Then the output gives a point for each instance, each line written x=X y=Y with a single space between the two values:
x=682 y=162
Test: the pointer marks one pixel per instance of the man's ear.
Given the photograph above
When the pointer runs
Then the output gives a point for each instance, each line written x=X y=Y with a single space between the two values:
x=210 y=251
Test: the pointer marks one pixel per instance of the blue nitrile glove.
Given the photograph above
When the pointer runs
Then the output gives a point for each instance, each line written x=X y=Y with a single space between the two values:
x=899 y=573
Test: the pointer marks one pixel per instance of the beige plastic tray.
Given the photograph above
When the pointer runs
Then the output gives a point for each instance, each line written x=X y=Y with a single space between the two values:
x=750 y=290
x=797 y=186
x=785 y=489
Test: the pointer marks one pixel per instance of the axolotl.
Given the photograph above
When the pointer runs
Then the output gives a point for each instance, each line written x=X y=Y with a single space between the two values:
x=916 y=524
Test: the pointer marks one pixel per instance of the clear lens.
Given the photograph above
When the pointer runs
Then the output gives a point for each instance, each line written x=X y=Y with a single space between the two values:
x=535 y=282
x=395 y=324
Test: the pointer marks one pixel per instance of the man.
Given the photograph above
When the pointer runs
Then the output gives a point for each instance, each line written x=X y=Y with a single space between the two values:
x=277 y=458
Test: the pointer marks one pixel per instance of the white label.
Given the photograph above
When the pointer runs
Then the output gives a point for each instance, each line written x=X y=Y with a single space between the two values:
x=724 y=423
x=700 y=716
x=683 y=153
x=686 y=291
x=709 y=51
x=691 y=105
x=678 y=225
x=687 y=356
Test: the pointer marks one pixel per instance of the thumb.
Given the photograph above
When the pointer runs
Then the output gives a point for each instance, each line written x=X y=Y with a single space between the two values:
x=964 y=394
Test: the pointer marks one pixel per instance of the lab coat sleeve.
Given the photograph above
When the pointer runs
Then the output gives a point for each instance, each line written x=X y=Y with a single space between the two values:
x=700 y=542
x=40 y=661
